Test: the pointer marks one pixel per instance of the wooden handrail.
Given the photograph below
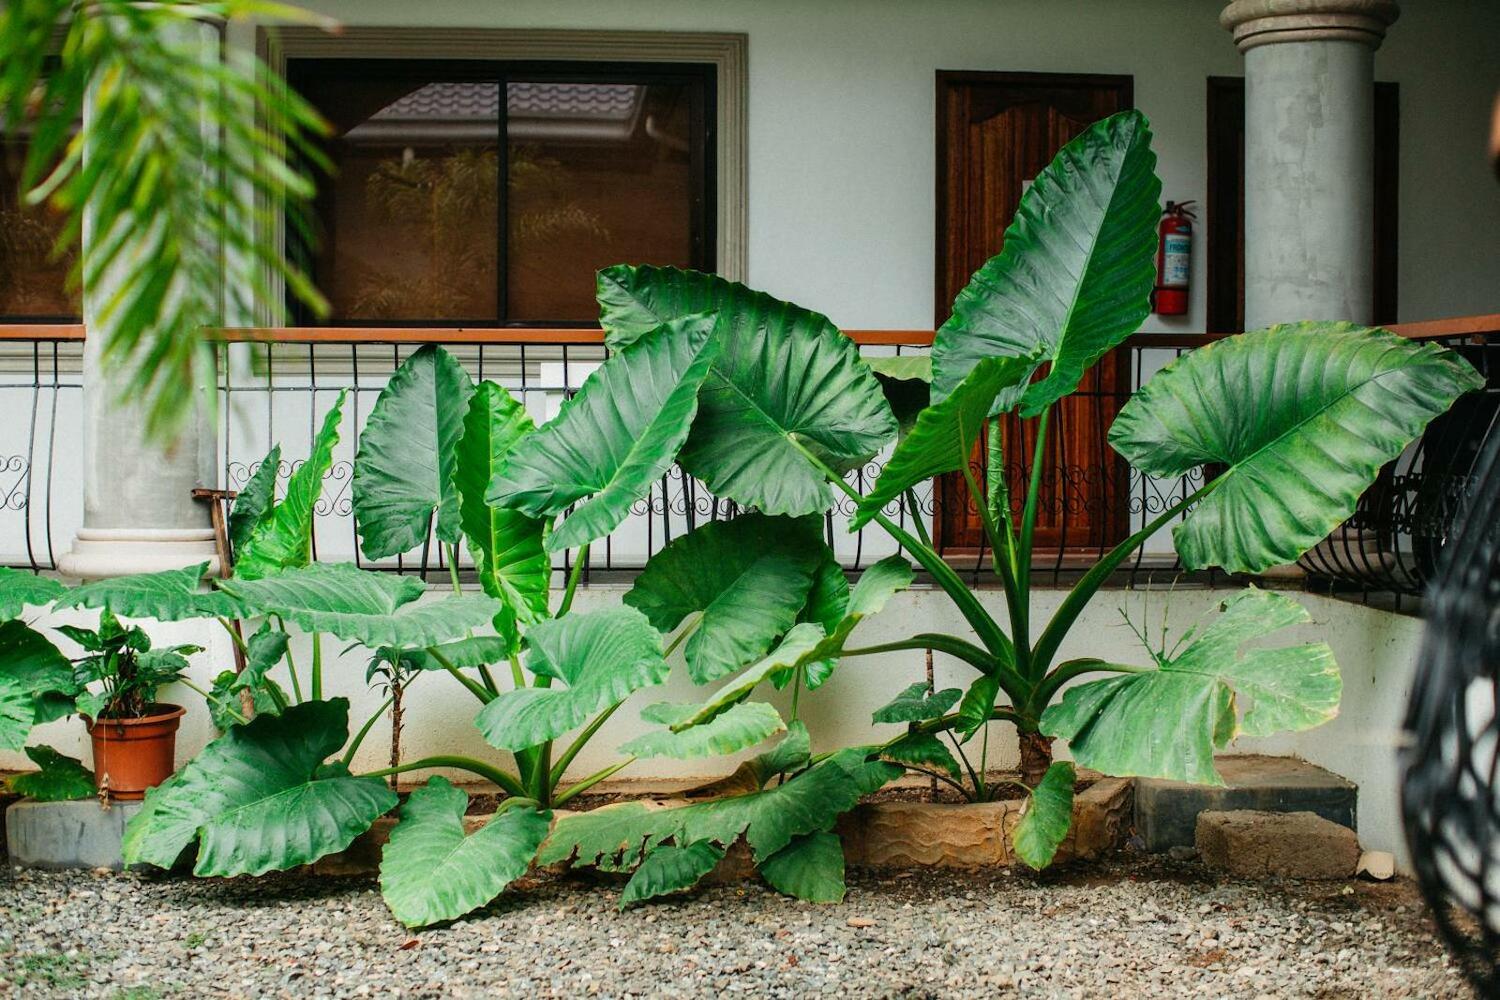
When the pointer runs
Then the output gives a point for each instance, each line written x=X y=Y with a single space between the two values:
x=1481 y=326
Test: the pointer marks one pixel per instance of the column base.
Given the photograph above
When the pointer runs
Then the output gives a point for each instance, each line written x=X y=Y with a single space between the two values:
x=98 y=553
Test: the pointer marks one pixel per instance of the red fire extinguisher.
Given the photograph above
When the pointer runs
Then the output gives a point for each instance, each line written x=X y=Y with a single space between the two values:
x=1174 y=259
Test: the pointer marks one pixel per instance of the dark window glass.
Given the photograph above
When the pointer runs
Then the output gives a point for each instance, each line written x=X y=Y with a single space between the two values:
x=33 y=279
x=451 y=205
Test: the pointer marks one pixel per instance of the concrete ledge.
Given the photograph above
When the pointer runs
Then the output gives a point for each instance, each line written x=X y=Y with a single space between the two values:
x=1166 y=812
x=79 y=834
x=1251 y=844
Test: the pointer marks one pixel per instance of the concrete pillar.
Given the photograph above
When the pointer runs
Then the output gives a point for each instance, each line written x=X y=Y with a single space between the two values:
x=1309 y=155
x=138 y=512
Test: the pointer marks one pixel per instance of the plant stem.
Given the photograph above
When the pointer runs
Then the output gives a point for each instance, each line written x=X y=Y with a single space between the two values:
x=939 y=776
x=516 y=676
x=317 y=666
x=473 y=686
x=364 y=730
x=680 y=637
x=541 y=774
x=1021 y=630
x=453 y=567
x=580 y=561
x=974 y=777
x=796 y=691
x=291 y=663
x=488 y=679
x=580 y=742
x=234 y=633
x=487 y=771
x=591 y=781
x=916 y=517
x=217 y=701
x=1010 y=681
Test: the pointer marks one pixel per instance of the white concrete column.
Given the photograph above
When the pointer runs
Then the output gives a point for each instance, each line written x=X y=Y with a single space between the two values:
x=138 y=512
x=1309 y=155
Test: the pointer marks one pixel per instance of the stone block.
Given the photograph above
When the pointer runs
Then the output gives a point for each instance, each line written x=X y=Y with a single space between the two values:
x=1166 y=812
x=79 y=834
x=1255 y=844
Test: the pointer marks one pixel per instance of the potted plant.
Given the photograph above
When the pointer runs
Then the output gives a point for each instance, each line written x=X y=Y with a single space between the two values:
x=119 y=676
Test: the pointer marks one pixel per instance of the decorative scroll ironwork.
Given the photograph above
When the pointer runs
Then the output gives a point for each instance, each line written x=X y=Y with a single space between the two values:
x=1451 y=761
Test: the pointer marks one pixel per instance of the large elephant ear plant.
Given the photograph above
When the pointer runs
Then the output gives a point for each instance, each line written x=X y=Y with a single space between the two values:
x=1299 y=418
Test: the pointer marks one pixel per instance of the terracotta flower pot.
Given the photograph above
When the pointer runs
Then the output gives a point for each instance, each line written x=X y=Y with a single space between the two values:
x=132 y=755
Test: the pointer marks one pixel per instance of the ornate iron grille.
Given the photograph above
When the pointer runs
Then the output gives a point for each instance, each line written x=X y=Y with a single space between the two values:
x=1451 y=780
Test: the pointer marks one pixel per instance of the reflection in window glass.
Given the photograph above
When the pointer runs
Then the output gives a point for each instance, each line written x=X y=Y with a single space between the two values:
x=431 y=218
x=33 y=278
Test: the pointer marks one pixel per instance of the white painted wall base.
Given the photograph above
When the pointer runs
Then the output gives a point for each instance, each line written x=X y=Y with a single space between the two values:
x=1376 y=651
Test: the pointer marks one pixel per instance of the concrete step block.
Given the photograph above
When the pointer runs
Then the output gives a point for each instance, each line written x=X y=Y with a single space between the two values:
x=1249 y=843
x=79 y=834
x=1166 y=812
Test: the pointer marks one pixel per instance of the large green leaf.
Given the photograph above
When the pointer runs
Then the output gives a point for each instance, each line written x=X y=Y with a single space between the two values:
x=616 y=837
x=374 y=609
x=284 y=539
x=253 y=505
x=36 y=683
x=1304 y=415
x=876 y=586
x=466 y=654
x=19 y=589
x=810 y=868
x=57 y=778
x=793 y=649
x=602 y=656
x=616 y=438
x=510 y=557
x=1168 y=721
x=749 y=576
x=403 y=471
x=263 y=651
x=786 y=384
x=168 y=595
x=915 y=704
x=430 y=871
x=260 y=798
x=1049 y=814
x=742 y=725
x=923 y=750
x=906 y=380
x=670 y=869
x=1075 y=276
x=945 y=433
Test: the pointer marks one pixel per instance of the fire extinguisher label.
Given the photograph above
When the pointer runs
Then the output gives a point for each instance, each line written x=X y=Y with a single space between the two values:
x=1176 y=260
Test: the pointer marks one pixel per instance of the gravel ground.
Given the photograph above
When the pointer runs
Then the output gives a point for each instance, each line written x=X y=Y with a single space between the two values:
x=1129 y=928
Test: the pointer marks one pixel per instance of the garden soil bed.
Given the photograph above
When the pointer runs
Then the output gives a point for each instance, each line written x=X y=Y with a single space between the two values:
x=1130 y=927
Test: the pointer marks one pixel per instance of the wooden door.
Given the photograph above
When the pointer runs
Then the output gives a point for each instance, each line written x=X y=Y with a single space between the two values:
x=995 y=132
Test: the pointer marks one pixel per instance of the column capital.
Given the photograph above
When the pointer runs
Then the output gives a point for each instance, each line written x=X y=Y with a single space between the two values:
x=1267 y=22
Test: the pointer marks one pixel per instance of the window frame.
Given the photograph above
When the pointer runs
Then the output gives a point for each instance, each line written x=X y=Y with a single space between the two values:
x=723 y=56
x=703 y=157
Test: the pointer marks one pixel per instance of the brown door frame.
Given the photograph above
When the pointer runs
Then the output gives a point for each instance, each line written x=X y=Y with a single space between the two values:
x=946 y=80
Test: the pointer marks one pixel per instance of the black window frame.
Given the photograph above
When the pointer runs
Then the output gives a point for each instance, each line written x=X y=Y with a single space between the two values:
x=704 y=160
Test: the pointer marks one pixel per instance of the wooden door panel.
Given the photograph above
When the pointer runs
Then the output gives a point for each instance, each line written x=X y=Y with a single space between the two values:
x=996 y=131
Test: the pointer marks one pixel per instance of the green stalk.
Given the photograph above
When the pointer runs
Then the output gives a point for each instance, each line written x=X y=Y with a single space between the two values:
x=516 y=676
x=453 y=567
x=796 y=691
x=561 y=767
x=1010 y=682
x=1085 y=589
x=217 y=701
x=487 y=771
x=1021 y=627
x=541 y=774
x=916 y=517
x=680 y=637
x=317 y=666
x=1070 y=669
x=591 y=781
x=291 y=664
x=471 y=685
x=364 y=730
x=1003 y=558
x=234 y=633
x=579 y=563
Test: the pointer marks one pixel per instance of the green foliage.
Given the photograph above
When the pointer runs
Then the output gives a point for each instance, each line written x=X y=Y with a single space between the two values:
x=916 y=704
x=168 y=198
x=602 y=656
x=509 y=550
x=431 y=871
x=283 y=539
x=749 y=577
x=923 y=750
x=670 y=869
x=1316 y=410
x=58 y=778
x=616 y=438
x=253 y=504
x=810 y=868
x=796 y=647
x=36 y=683
x=19 y=589
x=404 y=469
x=170 y=595
x=374 y=609
x=787 y=391
x=264 y=650
x=128 y=671
x=617 y=837
x=876 y=586
x=906 y=380
x=260 y=798
x=742 y=725
x=1075 y=276
x=1049 y=814
x=1167 y=722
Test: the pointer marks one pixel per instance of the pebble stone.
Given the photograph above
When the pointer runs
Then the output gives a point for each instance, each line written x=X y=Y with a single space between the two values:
x=1123 y=928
